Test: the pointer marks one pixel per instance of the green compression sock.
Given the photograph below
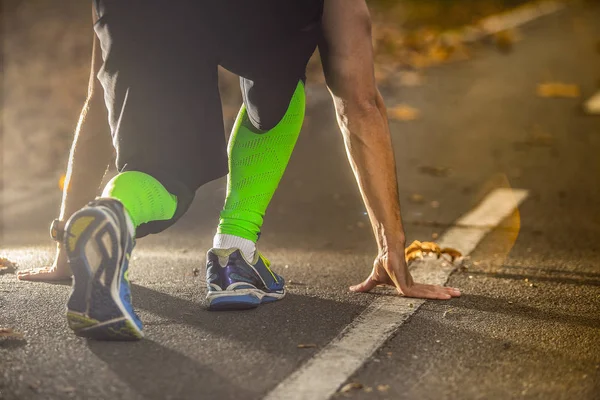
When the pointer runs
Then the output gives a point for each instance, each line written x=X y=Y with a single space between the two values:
x=257 y=162
x=144 y=198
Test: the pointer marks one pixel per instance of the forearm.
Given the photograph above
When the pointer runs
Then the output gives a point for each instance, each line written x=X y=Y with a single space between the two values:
x=369 y=148
x=89 y=158
x=91 y=151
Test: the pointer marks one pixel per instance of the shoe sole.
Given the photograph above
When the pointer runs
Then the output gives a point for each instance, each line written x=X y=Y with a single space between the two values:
x=95 y=309
x=241 y=299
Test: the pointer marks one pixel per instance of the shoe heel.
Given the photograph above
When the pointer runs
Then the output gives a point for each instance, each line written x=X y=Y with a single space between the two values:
x=79 y=228
x=120 y=329
x=92 y=246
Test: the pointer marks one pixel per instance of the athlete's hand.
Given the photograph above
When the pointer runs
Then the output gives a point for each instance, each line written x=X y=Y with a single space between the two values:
x=58 y=271
x=391 y=269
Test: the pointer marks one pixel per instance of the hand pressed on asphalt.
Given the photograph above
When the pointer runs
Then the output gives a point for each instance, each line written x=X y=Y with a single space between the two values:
x=391 y=269
x=58 y=271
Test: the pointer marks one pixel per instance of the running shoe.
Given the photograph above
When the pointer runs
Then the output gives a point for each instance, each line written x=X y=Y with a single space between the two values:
x=235 y=284
x=99 y=241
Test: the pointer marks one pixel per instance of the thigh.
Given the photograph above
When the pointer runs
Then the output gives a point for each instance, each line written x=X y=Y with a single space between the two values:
x=161 y=90
x=271 y=56
x=267 y=100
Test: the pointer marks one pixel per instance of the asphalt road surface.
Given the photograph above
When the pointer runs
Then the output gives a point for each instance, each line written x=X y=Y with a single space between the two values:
x=526 y=326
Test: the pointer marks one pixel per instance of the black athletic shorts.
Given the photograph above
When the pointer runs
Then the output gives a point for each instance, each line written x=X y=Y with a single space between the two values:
x=161 y=84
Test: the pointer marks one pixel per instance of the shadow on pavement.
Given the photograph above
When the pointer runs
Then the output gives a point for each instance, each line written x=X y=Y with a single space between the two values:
x=293 y=319
x=489 y=304
x=156 y=372
x=431 y=357
x=568 y=280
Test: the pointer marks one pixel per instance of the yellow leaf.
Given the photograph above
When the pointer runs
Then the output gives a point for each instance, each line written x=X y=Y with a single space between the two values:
x=351 y=386
x=7 y=266
x=452 y=252
x=418 y=249
x=383 y=388
x=403 y=112
x=557 y=89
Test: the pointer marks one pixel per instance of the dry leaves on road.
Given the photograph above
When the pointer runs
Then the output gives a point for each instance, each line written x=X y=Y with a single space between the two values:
x=417 y=250
x=558 y=89
x=349 y=387
x=9 y=333
x=403 y=112
x=7 y=266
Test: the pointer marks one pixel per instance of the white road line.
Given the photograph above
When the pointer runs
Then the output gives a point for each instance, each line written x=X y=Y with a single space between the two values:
x=320 y=377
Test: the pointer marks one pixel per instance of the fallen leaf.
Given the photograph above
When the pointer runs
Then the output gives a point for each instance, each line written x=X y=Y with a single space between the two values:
x=430 y=247
x=439 y=172
x=368 y=389
x=418 y=249
x=9 y=333
x=351 y=386
x=7 y=266
x=451 y=252
x=558 y=89
x=403 y=112
x=416 y=198
x=307 y=346
x=414 y=255
x=383 y=388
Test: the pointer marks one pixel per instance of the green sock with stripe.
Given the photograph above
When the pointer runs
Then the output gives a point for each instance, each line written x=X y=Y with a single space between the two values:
x=257 y=162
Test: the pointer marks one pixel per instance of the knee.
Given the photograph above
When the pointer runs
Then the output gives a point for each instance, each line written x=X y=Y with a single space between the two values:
x=267 y=106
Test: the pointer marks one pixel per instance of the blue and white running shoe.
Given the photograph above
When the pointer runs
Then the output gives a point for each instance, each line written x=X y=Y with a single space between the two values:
x=99 y=241
x=235 y=284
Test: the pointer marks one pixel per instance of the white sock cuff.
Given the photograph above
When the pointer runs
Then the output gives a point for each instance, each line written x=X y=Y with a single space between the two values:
x=224 y=241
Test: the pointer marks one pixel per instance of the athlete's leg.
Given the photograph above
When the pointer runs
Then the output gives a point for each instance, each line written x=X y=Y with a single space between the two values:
x=259 y=150
x=257 y=161
x=271 y=59
x=165 y=116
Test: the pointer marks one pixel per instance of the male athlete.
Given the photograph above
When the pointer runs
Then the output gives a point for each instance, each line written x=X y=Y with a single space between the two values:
x=159 y=76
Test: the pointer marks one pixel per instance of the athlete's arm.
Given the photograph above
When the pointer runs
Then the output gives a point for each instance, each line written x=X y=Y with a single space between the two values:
x=347 y=57
x=91 y=153
x=92 y=150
